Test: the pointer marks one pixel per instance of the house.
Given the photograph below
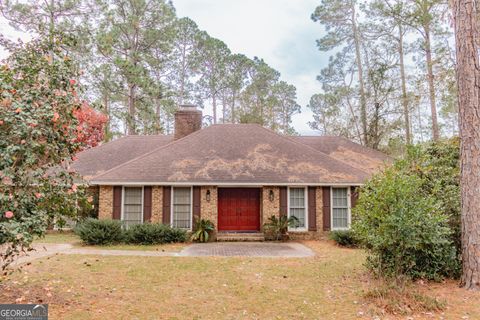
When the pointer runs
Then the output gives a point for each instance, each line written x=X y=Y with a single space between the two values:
x=236 y=175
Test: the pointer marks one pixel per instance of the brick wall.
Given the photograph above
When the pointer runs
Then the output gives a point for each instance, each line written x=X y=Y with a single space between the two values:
x=157 y=204
x=105 y=202
x=269 y=208
x=209 y=209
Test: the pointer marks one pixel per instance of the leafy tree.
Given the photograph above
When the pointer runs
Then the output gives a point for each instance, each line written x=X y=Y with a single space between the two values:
x=340 y=20
x=38 y=139
x=212 y=59
x=403 y=230
x=90 y=128
x=409 y=215
x=129 y=37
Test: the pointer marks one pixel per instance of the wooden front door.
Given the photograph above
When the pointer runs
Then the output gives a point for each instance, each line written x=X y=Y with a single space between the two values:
x=238 y=209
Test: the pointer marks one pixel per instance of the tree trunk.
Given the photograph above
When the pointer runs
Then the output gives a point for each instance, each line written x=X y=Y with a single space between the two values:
x=361 y=85
x=106 y=137
x=131 y=110
x=431 y=86
x=232 y=109
x=468 y=81
x=408 y=137
x=214 y=106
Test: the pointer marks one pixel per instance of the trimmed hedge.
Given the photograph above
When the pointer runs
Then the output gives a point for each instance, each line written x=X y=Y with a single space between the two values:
x=101 y=232
x=344 y=238
x=154 y=233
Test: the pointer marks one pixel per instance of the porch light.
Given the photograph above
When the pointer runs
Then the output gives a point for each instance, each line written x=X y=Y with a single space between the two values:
x=207 y=196
x=271 y=196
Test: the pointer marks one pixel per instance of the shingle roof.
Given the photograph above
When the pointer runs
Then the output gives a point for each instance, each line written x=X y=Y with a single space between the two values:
x=354 y=154
x=234 y=153
x=94 y=161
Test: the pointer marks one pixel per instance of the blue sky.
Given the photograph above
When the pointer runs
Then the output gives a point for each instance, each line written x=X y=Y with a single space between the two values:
x=279 y=31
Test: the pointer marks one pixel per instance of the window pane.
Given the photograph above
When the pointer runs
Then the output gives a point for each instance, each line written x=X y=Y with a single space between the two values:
x=297 y=205
x=132 y=206
x=181 y=208
x=340 y=208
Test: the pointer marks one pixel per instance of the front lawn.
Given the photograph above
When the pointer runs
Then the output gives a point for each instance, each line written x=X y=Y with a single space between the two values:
x=332 y=285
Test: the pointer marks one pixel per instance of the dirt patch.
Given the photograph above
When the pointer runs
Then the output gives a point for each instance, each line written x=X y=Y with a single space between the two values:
x=18 y=292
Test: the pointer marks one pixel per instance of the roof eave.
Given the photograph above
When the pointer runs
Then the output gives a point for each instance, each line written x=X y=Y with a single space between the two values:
x=225 y=184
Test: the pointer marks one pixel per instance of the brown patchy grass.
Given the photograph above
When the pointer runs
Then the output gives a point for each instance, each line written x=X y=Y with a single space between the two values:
x=332 y=285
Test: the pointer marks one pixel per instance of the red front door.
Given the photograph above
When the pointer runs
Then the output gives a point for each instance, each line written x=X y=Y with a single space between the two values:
x=238 y=209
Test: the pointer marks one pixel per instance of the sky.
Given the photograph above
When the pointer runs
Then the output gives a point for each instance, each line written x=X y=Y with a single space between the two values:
x=279 y=31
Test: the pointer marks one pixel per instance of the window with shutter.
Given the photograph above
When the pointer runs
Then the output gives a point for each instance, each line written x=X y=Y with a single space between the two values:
x=182 y=208
x=297 y=207
x=132 y=212
x=340 y=209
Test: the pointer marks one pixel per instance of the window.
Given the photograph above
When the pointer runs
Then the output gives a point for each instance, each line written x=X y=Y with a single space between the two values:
x=340 y=209
x=182 y=208
x=132 y=212
x=297 y=206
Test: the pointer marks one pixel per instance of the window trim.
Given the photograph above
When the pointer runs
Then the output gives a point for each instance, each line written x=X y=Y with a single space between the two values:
x=305 y=190
x=349 y=209
x=172 y=205
x=122 y=218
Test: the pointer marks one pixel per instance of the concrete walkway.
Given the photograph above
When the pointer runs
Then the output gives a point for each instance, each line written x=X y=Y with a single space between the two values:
x=248 y=249
x=214 y=249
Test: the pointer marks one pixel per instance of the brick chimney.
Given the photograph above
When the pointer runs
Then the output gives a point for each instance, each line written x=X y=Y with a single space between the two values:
x=187 y=120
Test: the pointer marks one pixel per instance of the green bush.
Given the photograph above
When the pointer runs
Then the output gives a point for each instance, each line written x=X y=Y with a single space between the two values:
x=277 y=228
x=345 y=238
x=154 y=233
x=203 y=229
x=404 y=228
x=100 y=232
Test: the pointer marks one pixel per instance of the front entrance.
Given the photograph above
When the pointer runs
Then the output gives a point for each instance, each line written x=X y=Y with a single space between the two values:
x=238 y=209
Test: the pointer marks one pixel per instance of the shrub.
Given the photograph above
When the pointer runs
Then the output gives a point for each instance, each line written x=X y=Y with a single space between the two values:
x=404 y=229
x=203 y=229
x=154 y=233
x=99 y=232
x=277 y=228
x=345 y=238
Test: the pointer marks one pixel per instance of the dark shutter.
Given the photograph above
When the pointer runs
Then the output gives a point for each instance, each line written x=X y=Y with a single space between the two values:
x=196 y=203
x=167 y=193
x=326 y=208
x=312 y=209
x=117 y=202
x=283 y=201
x=147 y=204
x=353 y=196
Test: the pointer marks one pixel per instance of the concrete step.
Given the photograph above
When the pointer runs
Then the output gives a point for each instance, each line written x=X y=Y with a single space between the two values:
x=239 y=236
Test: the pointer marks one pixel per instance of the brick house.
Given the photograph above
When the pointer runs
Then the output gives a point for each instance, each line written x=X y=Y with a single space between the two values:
x=236 y=175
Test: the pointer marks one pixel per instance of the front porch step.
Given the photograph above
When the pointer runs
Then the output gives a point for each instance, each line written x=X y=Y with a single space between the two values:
x=239 y=236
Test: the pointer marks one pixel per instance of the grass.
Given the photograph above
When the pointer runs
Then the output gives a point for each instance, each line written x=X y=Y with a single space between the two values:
x=331 y=285
x=73 y=239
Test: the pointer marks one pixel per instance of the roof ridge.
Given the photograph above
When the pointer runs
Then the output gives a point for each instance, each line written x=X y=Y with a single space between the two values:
x=148 y=153
x=289 y=138
x=377 y=152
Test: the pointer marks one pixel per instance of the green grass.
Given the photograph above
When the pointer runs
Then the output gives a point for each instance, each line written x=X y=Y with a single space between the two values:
x=59 y=237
